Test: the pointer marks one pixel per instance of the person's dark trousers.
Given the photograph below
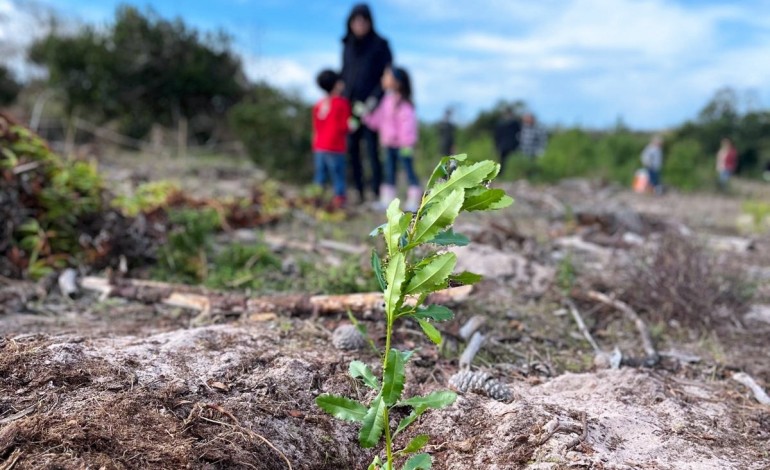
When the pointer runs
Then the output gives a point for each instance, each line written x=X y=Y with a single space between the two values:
x=503 y=157
x=371 y=143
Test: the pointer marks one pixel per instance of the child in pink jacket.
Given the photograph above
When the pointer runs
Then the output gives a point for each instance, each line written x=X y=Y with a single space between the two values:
x=396 y=122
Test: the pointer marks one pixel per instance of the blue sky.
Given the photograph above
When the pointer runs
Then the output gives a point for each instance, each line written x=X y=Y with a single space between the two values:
x=653 y=63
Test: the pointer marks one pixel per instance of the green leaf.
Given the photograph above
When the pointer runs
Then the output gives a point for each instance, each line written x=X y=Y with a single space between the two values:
x=480 y=199
x=394 y=277
x=376 y=463
x=393 y=378
x=442 y=168
x=433 y=275
x=378 y=229
x=406 y=421
x=437 y=217
x=502 y=203
x=430 y=330
x=374 y=424
x=398 y=222
x=377 y=267
x=341 y=407
x=418 y=462
x=449 y=237
x=359 y=370
x=417 y=443
x=464 y=177
x=465 y=278
x=433 y=312
x=435 y=400
x=406 y=355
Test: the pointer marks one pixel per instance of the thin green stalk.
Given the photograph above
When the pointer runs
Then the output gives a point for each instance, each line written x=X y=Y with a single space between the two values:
x=388 y=442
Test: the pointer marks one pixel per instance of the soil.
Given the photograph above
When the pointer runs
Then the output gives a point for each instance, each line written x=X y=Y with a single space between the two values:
x=112 y=384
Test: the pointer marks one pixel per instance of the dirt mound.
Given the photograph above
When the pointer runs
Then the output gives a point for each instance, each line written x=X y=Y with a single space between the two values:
x=241 y=396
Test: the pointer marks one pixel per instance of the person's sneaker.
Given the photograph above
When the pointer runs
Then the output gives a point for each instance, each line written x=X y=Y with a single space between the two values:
x=339 y=202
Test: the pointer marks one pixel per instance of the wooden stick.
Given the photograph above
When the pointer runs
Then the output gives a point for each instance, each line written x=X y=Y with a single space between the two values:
x=748 y=381
x=647 y=344
x=473 y=347
x=470 y=327
x=582 y=326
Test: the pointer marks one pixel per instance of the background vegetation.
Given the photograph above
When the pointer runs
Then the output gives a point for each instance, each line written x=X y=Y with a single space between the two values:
x=142 y=70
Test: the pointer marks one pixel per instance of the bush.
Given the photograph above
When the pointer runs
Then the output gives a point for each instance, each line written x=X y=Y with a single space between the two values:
x=685 y=167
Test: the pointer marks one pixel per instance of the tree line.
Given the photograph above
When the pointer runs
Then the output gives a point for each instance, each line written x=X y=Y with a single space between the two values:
x=143 y=70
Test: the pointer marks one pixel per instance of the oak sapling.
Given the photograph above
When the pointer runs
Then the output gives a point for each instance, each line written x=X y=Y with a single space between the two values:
x=455 y=185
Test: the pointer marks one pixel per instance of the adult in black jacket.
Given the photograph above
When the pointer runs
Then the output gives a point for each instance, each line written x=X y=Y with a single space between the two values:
x=364 y=59
x=507 y=136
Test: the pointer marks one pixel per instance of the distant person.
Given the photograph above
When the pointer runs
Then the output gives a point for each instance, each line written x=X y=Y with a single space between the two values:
x=446 y=134
x=364 y=58
x=532 y=138
x=330 y=130
x=727 y=162
x=652 y=161
x=396 y=121
x=506 y=136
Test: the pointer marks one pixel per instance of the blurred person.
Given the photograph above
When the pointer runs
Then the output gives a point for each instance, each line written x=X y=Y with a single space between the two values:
x=506 y=136
x=446 y=134
x=396 y=121
x=330 y=130
x=532 y=137
x=364 y=59
x=652 y=161
x=727 y=162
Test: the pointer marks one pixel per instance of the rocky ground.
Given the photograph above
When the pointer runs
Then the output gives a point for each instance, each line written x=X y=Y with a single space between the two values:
x=112 y=383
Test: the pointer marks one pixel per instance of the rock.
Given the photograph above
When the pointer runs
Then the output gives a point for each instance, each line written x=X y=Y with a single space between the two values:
x=347 y=337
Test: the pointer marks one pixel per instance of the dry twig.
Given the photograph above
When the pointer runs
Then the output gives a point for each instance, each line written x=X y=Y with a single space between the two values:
x=644 y=332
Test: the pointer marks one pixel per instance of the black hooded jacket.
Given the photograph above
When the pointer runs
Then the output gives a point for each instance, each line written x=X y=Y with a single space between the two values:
x=363 y=60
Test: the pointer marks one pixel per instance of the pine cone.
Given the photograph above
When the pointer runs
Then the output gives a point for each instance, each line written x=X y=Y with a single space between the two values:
x=480 y=382
x=347 y=337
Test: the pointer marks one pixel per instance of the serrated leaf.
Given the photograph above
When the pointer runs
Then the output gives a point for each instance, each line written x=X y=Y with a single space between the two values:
x=481 y=199
x=435 y=400
x=417 y=411
x=398 y=222
x=430 y=330
x=437 y=217
x=393 y=378
x=376 y=463
x=377 y=267
x=377 y=230
x=432 y=275
x=341 y=407
x=359 y=370
x=418 y=462
x=394 y=278
x=502 y=203
x=464 y=177
x=449 y=237
x=465 y=278
x=417 y=443
x=433 y=312
x=374 y=424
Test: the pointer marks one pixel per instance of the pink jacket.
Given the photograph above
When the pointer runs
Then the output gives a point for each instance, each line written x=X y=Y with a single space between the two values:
x=395 y=121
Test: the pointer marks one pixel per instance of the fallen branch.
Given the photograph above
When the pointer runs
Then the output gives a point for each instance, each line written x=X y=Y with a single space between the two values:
x=582 y=437
x=748 y=381
x=652 y=354
x=473 y=347
x=582 y=326
x=470 y=327
x=214 y=303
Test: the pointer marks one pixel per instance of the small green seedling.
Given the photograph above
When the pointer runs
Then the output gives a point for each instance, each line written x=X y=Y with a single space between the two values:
x=407 y=279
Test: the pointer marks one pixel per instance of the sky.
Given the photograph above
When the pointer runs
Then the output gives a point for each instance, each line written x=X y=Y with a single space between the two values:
x=650 y=63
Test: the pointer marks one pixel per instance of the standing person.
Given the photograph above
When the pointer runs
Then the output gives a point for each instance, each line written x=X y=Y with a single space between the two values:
x=506 y=136
x=396 y=121
x=652 y=161
x=532 y=138
x=727 y=162
x=446 y=134
x=330 y=129
x=364 y=58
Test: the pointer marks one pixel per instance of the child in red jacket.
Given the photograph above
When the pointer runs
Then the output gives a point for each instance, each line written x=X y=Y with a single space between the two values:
x=330 y=130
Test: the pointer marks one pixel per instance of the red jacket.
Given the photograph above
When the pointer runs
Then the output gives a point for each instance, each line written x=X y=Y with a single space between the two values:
x=330 y=124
